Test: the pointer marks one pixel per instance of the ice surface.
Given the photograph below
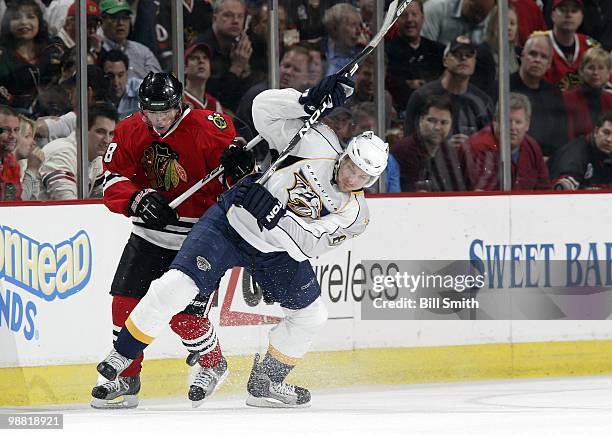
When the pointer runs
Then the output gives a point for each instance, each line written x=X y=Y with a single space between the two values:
x=579 y=405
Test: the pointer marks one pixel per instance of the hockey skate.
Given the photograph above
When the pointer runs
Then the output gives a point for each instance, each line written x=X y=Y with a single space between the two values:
x=263 y=393
x=113 y=365
x=122 y=393
x=206 y=382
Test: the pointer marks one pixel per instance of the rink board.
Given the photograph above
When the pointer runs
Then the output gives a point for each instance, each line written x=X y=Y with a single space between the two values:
x=58 y=262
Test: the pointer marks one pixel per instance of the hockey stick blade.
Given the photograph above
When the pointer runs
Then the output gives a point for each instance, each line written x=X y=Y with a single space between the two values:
x=396 y=8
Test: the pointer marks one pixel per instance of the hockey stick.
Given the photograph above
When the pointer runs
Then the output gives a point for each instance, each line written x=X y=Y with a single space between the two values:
x=211 y=176
x=396 y=8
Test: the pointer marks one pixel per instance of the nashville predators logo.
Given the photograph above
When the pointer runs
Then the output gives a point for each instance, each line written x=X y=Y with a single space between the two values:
x=161 y=166
x=218 y=120
x=303 y=201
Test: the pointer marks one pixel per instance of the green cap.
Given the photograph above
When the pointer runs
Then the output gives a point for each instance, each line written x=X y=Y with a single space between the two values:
x=113 y=6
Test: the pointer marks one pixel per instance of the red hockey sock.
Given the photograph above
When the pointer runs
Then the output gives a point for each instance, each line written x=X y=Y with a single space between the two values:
x=198 y=335
x=122 y=307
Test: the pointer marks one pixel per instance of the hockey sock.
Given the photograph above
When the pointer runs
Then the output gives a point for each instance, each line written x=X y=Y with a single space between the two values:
x=198 y=335
x=121 y=308
x=276 y=370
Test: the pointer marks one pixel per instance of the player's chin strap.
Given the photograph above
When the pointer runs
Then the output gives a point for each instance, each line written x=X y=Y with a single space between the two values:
x=396 y=8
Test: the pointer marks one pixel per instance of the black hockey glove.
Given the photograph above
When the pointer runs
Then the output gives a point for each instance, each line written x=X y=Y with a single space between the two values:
x=340 y=88
x=258 y=201
x=152 y=208
x=237 y=163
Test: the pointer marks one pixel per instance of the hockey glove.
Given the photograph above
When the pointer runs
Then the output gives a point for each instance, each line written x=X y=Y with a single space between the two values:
x=339 y=88
x=237 y=163
x=258 y=201
x=152 y=208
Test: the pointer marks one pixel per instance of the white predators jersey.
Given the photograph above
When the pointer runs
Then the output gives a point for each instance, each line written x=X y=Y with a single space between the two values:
x=319 y=217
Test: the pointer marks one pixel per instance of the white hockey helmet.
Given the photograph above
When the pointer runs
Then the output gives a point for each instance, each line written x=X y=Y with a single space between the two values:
x=369 y=153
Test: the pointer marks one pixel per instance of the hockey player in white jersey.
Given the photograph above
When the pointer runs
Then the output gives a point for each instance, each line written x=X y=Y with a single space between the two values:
x=311 y=204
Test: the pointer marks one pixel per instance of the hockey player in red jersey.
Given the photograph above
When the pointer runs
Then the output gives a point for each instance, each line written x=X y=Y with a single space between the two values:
x=155 y=156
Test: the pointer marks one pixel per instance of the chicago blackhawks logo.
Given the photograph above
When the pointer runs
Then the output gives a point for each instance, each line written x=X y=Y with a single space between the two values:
x=303 y=201
x=161 y=166
x=218 y=120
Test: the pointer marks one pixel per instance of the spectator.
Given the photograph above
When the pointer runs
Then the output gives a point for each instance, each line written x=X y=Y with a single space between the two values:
x=124 y=90
x=116 y=27
x=585 y=162
x=316 y=63
x=487 y=67
x=341 y=121
x=55 y=15
x=28 y=59
x=258 y=35
x=547 y=126
x=585 y=104
x=293 y=74
x=98 y=89
x=307 y=17
x=343 y=25
x=447 y=19
x=10 y=173
x=413 y=60
x=231 y=53
x=364 y=90
x=59 y=170
x=426 y=161
x=529 y=17
x=569 y=46
x=597 y=21
x=30 y=157
x=197 y=73
x=197 y=19
x=480 y=154
x=472 y=108
x=67 y=33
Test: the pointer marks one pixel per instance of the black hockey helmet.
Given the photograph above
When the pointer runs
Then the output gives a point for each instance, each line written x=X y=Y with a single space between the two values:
x=159 y=92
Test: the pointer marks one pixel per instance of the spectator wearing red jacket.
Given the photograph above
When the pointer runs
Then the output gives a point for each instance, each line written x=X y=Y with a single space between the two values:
x=586 y=103
x=480 y=154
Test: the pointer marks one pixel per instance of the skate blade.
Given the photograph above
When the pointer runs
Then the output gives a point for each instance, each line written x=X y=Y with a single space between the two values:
x=198 y=403
x=268 y=402
x=127 y=401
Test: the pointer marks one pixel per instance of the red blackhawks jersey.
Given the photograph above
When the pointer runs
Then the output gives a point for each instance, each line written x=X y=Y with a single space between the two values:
x=139 y=158
x=563 y=72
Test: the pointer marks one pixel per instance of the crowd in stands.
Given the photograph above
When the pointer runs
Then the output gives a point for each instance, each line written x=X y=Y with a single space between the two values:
x=442 y=68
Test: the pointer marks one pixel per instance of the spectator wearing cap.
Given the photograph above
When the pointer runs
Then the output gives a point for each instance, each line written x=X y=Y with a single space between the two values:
x=585 y=103
x=116 y=27
x=197 y=72
x=413 y=60
x=67 y=33
x=472 y=108
x=231 y=48
x=568 y=45
x=586 y=161
x=123 y=89
x=480 y=154
x=447 y=19
x=548 y=124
